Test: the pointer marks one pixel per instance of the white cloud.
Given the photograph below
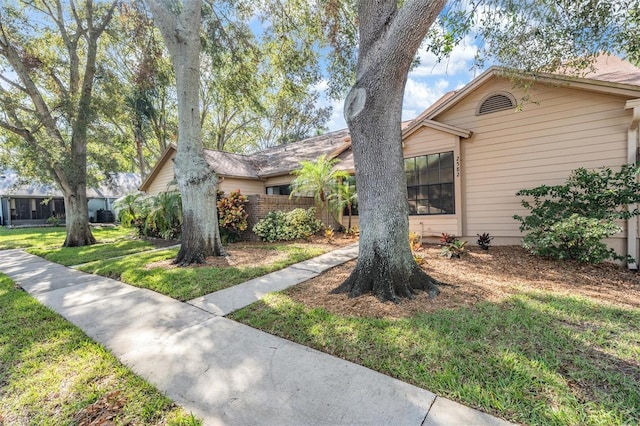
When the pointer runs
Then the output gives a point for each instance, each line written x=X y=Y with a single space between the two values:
x=337 y=122
x=460 y=60
x=421 y=93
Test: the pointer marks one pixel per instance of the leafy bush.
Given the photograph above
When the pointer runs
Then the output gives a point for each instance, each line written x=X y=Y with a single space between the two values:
x=452 y=246
x=415 y=243
x=162 y=216
x=128 y=209
x=232 y=215
x=574 y=238
x=281 y=226
x=569 y=221
x=447 y=238
x=484 y=241
x=55 y=220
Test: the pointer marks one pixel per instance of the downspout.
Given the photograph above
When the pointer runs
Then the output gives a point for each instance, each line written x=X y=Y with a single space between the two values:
x=632 y=158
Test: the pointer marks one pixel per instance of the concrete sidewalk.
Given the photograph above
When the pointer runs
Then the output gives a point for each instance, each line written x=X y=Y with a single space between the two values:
x=225 y=372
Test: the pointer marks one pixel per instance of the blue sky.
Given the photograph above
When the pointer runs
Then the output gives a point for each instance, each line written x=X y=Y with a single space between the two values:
x=427 y=83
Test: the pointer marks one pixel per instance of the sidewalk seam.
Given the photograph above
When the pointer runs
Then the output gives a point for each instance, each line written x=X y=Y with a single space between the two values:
x=424 y=421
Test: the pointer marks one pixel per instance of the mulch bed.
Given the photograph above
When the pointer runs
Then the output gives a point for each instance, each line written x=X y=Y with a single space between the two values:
x=478 y=276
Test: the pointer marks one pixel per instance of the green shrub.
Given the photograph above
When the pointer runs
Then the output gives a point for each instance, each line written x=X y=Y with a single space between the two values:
x=293 y=225
x=574 y=238
x=452 y=246
x=164 y=216
x=570 y=221
x=232 y=216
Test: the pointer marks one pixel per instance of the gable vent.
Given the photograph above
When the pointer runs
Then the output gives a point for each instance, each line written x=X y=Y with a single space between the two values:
x=496 y=102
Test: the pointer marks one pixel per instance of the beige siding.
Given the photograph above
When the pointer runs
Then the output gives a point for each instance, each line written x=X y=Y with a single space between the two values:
x=163 y=177
x=246 y=186
x=560 y=130
x=278 y=180
x=430 y=141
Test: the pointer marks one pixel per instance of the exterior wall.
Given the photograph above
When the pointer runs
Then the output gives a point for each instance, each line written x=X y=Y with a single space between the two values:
x=560 y=130
x=246 y=186
x=429 y=141
x=161 y=181
x=278 y=180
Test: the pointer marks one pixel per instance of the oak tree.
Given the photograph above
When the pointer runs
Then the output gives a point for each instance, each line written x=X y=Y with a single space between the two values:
x=48 y=71
x=180 y=24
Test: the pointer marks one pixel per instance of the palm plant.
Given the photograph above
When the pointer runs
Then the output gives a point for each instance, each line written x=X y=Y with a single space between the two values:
x=128 y=208
x=319 y=178
x=165 y=214
x=345 y=197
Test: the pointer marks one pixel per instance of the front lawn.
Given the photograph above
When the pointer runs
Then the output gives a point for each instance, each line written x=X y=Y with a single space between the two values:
x=53 y=237
x=246 y=261
x=51 y=373
x=532 y=341
x=78 y=255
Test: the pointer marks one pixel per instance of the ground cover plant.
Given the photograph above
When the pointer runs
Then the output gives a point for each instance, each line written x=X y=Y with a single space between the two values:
x=534 y=341
x=53 y=374
x=156 y=271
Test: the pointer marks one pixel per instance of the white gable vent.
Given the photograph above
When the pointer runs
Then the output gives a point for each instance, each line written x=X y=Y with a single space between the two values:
x=496 y=102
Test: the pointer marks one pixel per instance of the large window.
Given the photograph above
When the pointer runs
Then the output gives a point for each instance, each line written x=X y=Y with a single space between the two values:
x=279 y=190
x=430 y=184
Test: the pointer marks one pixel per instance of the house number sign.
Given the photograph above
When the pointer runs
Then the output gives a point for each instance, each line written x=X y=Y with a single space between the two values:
x=458 y=166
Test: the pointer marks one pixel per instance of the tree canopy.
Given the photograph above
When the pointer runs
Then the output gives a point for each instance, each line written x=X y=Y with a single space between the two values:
x=51 y=94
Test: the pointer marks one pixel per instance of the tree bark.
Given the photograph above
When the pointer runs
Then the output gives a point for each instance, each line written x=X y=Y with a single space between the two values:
x=196 y=181
x=76 y=218
x=389 y=39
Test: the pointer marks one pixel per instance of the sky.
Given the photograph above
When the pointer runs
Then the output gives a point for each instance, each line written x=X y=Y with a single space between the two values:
x=426 y=83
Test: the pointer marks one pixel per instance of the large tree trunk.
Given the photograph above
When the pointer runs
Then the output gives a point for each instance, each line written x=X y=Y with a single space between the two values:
x=389 y=39
x=196 y=181
x=76 y=218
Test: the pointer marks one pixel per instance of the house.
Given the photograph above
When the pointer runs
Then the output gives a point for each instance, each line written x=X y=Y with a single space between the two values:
x=265 y=172
x=487 y=148
x=469 y=153
x=264 y=176
x=33 y=203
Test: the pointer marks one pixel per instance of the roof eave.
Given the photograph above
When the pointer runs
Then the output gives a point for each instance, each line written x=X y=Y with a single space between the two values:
x=496 y=71
x=446 y=128
x=156 y=169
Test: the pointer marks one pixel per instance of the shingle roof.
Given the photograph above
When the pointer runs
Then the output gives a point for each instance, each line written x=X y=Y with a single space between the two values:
x=614 y=70
x=120 y=184
x=278 y=160
x=228 y=164
x=285 y=158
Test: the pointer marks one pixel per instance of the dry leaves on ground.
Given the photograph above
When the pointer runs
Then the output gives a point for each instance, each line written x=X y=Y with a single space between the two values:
x=478 y=276
x=248 y=253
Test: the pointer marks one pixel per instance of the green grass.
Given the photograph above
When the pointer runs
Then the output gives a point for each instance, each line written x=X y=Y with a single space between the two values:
x=77 y=255
x=536 y=358
x=188 y=283
x=47 y=243
x=51 y=373
x=49 y=238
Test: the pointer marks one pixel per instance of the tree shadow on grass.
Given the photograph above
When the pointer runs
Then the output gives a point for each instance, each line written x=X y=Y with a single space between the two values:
x=534 y=358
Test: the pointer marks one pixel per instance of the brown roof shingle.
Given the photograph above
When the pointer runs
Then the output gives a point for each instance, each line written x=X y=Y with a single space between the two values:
x=278 y=160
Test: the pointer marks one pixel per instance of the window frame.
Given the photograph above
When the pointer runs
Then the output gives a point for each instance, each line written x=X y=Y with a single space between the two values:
x=424 y=195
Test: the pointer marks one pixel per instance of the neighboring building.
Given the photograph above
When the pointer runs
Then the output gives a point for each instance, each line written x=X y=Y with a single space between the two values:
x=33 y=204
x=468 y=154
x=265 y=172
